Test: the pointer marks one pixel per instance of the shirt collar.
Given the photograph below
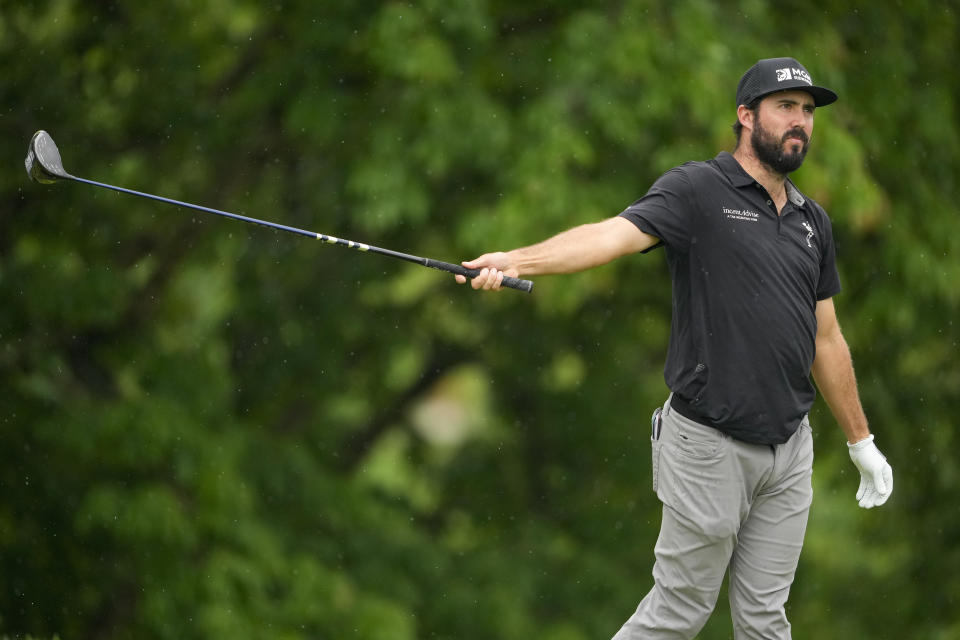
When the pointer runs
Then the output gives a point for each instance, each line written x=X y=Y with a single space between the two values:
x=794 y=195
x=740 y=178
x=732 y=169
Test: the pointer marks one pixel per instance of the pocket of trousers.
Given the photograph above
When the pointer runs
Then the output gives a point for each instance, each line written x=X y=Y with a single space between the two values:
x=655 y=451
x=656 y=424
x=698 y=441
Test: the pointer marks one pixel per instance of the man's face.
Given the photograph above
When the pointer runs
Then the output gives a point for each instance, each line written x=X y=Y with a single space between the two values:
x=781 y=130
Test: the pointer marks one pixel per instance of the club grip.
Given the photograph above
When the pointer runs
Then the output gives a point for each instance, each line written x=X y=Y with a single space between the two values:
x=514 y=283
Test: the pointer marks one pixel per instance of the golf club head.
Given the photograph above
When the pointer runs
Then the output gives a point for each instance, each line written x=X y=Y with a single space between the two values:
x=43 y=161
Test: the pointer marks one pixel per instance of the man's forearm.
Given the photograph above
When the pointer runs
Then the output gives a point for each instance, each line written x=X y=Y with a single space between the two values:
x=834 y=375
x=580 y=248
x=833 y=372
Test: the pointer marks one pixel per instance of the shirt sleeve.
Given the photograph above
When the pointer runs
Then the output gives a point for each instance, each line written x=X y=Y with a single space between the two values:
x=665 y=211
x=829 y=283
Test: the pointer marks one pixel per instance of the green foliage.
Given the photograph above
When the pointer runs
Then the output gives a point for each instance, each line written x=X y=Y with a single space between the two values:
x=214 y=430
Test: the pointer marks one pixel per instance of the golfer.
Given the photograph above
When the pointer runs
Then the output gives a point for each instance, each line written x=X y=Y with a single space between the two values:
x=753 y=268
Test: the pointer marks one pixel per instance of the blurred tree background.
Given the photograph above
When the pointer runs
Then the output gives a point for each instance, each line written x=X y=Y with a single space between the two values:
x=215 y=430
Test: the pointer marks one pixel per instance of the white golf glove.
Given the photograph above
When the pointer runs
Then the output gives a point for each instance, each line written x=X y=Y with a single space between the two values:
x=876 y=475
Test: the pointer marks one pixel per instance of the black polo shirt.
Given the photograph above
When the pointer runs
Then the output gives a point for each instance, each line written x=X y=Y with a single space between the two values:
x=745 y=287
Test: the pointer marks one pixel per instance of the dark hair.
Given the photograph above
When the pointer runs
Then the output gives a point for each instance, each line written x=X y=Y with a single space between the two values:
x=753 y=105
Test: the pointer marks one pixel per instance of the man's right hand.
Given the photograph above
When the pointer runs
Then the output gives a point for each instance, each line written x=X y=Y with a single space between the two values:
x=571 y=251
x=493 y=266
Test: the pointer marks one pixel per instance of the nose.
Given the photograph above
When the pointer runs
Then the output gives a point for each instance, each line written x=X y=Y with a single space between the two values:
x=800 y=124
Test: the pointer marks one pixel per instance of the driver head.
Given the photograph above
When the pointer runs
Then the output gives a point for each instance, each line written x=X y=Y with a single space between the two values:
x=43 y=161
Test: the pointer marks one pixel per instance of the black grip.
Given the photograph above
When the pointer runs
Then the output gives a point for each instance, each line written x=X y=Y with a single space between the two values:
x=514 y=283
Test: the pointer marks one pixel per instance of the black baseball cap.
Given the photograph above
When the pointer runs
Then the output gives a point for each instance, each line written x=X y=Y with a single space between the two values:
x=780 y=74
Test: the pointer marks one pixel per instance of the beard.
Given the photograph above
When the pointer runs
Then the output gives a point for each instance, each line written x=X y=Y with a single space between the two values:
x=772 y=152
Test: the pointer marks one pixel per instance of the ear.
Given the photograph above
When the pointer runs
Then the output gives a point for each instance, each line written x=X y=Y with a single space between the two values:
x=745 y=116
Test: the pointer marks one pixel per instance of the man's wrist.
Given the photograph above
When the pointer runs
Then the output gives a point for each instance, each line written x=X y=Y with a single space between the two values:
x=860 y=442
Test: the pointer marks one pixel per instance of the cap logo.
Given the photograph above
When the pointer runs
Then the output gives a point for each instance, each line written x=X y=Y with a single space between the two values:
x=792 y=73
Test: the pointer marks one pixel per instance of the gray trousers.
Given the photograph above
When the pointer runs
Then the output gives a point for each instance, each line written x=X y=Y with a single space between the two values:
x=727 y=506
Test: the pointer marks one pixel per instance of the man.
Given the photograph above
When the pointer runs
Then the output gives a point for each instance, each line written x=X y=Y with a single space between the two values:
x=752 y=263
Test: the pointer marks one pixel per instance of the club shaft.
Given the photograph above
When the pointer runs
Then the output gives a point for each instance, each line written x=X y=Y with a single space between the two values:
x=514 y=283
x=227 y=214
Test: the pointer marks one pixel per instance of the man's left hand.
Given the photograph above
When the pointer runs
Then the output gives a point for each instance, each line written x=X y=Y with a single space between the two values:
x=876 y=475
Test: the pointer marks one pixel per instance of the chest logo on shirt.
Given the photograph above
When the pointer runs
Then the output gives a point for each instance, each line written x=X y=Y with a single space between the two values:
x=741 y=214
x=806 y=225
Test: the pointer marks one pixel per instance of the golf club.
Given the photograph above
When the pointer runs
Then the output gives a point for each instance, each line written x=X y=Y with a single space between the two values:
x=44 y=165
